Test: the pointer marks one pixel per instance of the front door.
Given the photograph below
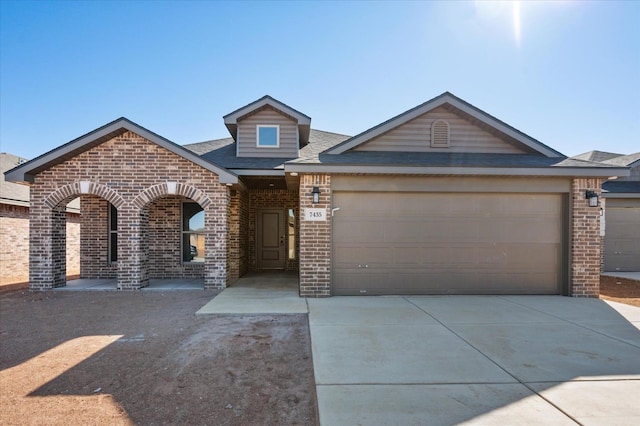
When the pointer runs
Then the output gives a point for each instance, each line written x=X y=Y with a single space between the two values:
x=272 y=234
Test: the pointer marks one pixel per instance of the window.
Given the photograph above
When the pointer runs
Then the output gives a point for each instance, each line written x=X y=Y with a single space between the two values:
x=268 y=136
x=440 y=134
x=192 y=233
x=113 y=233
x=291 y=233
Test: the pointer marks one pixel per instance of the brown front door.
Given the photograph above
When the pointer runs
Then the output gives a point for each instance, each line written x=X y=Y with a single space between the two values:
x=272 y=234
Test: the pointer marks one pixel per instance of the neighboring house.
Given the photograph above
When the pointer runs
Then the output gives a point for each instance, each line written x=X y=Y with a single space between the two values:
x=14 y=228
x=441 y=199
x=622 y=213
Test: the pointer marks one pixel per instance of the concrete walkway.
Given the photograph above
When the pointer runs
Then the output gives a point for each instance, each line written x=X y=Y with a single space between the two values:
x=446 y=360
x=259 y=293
x=627 y=275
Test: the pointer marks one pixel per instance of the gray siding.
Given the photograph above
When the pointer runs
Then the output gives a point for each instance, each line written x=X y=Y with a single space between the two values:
x=415 y=136
x=268 y=116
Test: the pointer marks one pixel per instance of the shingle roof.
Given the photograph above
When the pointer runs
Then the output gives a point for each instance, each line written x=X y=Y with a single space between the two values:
x=223 y=151
x=18 y=194
x=619 y=187
x=596 y=156
x=624 y=160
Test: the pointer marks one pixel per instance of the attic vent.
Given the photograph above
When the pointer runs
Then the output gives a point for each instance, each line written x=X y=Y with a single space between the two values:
x=440 y=134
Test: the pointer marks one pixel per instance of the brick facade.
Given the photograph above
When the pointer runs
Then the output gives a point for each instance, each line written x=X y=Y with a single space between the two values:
x=315 y=238
x=586 y=242
x=131 y=173
x=14 y=263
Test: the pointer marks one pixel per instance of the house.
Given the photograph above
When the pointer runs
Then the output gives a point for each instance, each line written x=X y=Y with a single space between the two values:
x=441 y=199
x=14 y=223
x=622 y=212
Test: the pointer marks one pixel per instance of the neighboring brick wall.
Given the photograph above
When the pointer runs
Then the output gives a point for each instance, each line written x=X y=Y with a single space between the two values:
x=315 y=239
x=585 y=240
x=14 y=244
x=131 y=173
x=270 y=199
x=14 y=240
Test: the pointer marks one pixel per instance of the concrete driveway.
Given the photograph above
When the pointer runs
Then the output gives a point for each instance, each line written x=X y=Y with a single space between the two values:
x=475 y=359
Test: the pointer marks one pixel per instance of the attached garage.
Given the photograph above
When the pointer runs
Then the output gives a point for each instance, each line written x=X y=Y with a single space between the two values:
x=622 y=235
x=413 y=242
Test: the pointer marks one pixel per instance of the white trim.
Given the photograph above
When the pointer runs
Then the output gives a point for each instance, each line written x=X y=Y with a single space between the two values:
x=270 y=126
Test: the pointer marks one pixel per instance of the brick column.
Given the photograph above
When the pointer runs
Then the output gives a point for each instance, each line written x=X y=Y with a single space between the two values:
x=47 y=244
x=585 y=240
x=216 y=220
x=315 y=239
x=132 y=262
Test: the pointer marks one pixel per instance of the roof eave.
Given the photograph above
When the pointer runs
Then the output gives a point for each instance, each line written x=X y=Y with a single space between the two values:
x=430 y=170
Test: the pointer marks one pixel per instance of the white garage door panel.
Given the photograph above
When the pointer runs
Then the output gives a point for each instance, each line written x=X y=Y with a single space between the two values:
x=426 y=243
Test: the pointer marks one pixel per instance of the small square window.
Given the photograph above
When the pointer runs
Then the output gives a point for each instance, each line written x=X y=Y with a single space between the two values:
x=268 y=136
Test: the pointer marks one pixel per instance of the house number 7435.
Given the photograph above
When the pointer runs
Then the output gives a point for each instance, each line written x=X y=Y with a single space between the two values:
x=315 y=214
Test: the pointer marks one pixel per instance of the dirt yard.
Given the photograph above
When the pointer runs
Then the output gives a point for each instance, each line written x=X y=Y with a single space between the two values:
x=620 y=290
x=77 y=358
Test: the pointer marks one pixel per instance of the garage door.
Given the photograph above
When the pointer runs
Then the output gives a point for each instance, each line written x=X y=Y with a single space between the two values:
x=444 y=243
x=622 y=236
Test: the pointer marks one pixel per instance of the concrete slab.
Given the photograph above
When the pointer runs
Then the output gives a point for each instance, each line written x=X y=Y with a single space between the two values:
x=475 y=360
x=596 y=403
x=479 y=310
x=360 y=310
x=479 y=404
x=349 y=354
x=577 y=310
x=552 y=352
x=259 y=293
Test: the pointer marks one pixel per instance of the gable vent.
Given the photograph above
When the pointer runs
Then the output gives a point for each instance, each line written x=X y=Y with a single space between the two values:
x=440 y=134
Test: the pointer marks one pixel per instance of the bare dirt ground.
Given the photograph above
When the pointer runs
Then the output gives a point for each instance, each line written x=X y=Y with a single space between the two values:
x=620 y=290
x=144 y=358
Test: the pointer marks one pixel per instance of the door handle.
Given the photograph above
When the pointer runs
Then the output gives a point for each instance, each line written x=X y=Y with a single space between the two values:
x=282 y=237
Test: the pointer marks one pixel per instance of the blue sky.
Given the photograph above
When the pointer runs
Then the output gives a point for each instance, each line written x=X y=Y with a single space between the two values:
x=566 y=73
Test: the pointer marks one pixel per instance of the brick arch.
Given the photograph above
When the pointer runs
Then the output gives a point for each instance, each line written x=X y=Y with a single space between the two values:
x=72 y=190
x=160 y=190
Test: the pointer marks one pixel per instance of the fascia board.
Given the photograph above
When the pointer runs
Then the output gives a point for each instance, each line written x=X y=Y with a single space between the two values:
x=257 y=172
x=606 y=194
x=232 y=118
x=490 y=171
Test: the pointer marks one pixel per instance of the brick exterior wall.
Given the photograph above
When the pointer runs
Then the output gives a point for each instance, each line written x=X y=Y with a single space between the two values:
x=14 y=240
x=315 y=239
x=94 y=239
x=270 y=199
x=165 y=239
x=586 y=242
x=238 y=233
x=131 y=173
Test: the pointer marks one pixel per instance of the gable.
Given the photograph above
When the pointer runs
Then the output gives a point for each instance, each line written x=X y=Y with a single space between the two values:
x=463 y=110
x=247 y=134
x=415 y=136
x=27 y=171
